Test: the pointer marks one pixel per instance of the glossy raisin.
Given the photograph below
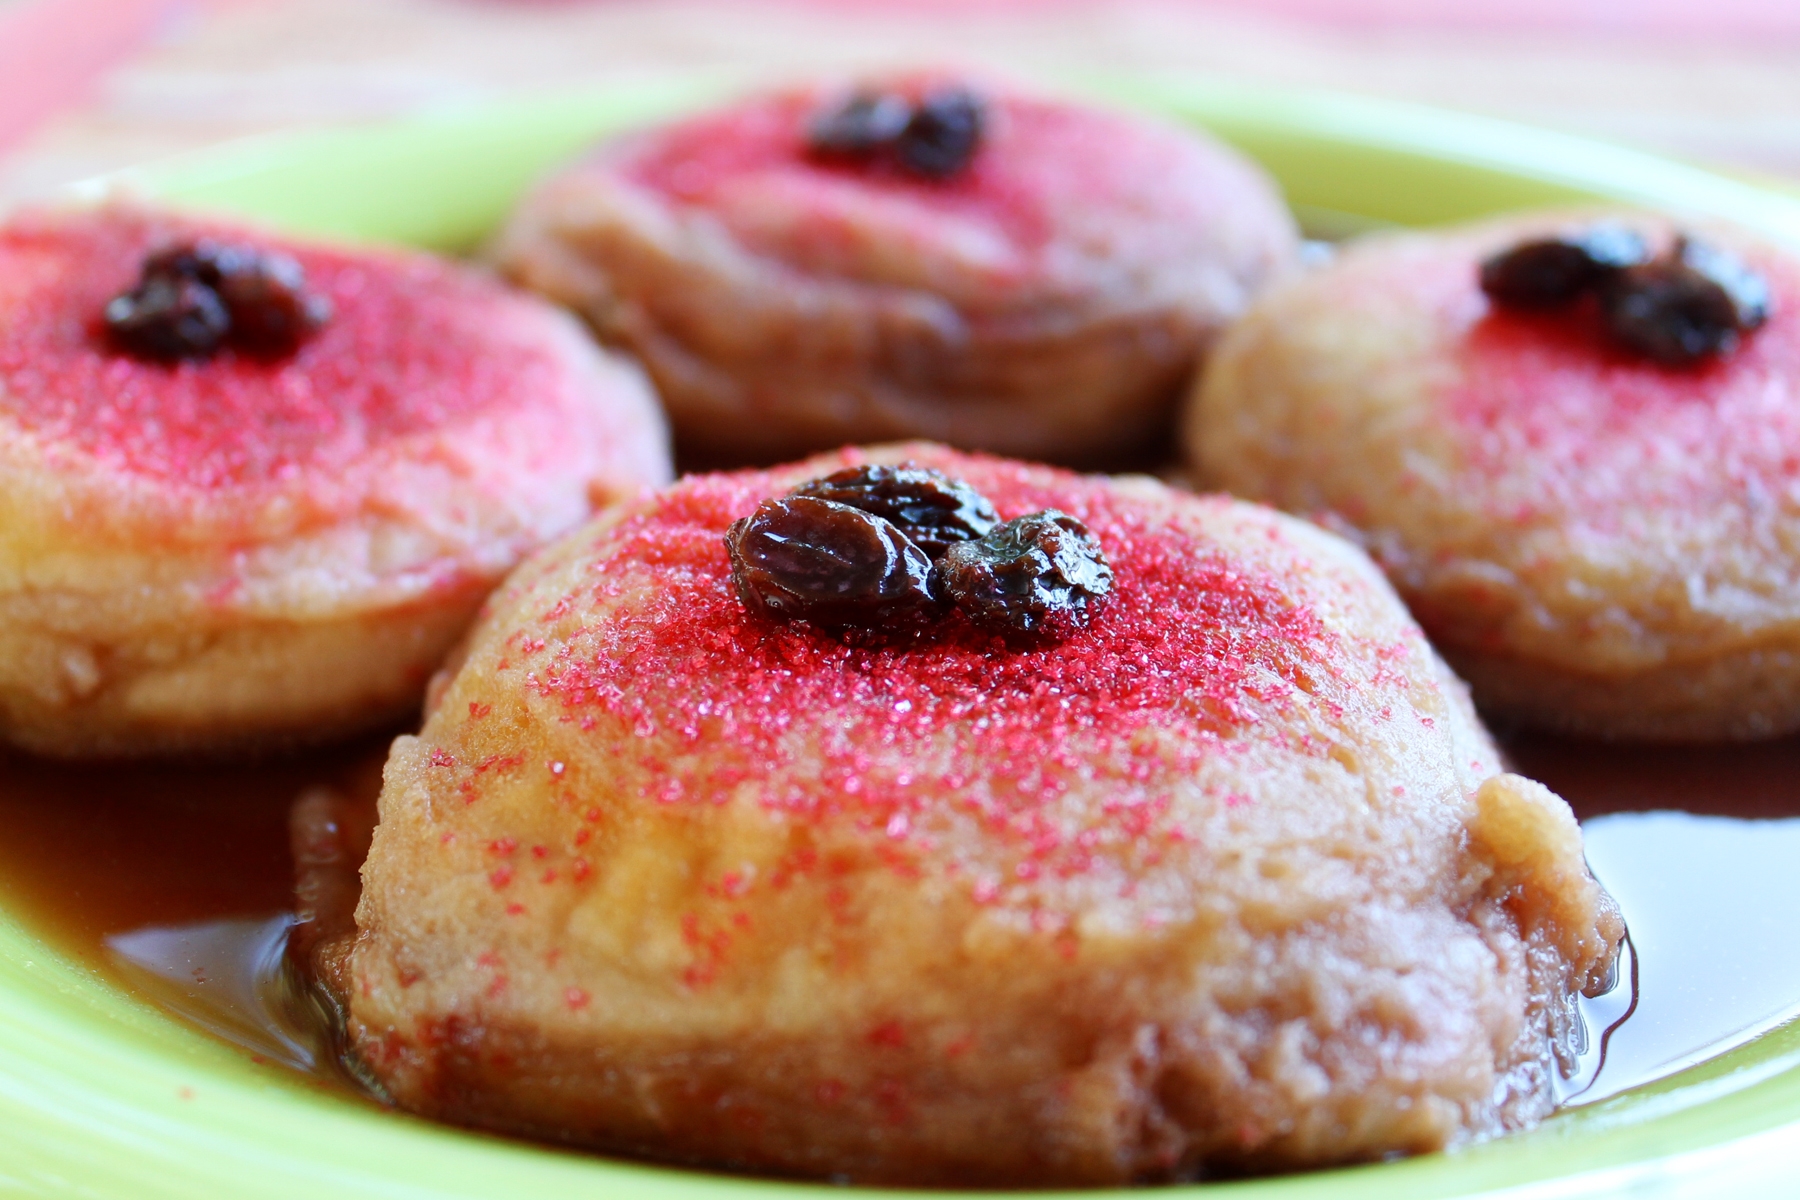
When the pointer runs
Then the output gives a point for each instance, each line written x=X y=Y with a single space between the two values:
x=193 y=298
x=838 y=567
x=271 y=310
x=931 y=508
x=1550 y=272
x=1042 y=575
x=1690 y=304
x=859 y=127
x=167 y=318
x=943 y=134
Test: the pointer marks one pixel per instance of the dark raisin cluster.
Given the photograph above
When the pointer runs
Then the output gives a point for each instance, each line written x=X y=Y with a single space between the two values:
x=1691 y=302
x=192 y=299
x=935 y=137
x=893 y=549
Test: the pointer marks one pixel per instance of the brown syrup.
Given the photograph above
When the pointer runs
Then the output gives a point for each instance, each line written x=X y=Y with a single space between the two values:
x=177 y=884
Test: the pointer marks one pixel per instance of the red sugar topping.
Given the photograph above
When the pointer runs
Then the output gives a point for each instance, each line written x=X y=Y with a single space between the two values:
x=1583 y=427
x=411 y=347
x=1042 y=167
x=1191 y=642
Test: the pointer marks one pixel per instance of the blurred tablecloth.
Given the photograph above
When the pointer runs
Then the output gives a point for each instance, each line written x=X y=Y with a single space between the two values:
x=90 y=85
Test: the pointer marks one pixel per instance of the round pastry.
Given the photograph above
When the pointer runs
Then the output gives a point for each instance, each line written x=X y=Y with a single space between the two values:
x=1590 y=497
x=991 y=269
x=706 y=856
x=250 y=490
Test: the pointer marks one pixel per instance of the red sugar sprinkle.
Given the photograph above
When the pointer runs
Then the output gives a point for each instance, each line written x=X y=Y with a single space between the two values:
x=539 y=852
x=478 y=710
x=1575 y=425
x=576 y=999
x=1043 y=168
x=581 y=870
x=499 y=877
x=515 y=909
x=411 y=347
x=888 y=1033
x=498 y=762
x=1193 y=642
x=503 y=845
x=441 y=757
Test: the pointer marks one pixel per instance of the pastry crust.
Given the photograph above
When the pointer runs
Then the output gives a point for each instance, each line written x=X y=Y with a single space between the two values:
x=233 y=554
x=1229 y=880
x=1050 y=301
x=1599 y=544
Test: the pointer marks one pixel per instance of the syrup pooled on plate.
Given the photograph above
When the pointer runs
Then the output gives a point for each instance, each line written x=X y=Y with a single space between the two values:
x=177 y=883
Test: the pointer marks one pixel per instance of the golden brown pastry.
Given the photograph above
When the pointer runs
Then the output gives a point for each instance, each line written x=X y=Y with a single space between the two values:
x=1219 y=873
x=986 y=267
x=250 y=490
x=1600 y=539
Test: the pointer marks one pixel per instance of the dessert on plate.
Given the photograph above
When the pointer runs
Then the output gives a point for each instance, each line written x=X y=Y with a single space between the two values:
x=915 y=817
x=1573 y=442
x=251 y=489
x=919 y=255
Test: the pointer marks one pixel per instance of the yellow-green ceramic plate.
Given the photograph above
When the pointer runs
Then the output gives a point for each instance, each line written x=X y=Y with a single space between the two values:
x=105 y=1098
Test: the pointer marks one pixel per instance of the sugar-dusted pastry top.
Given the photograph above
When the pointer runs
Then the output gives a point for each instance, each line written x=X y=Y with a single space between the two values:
x=1053 y=186
x=413 y=344
x=1188 y=635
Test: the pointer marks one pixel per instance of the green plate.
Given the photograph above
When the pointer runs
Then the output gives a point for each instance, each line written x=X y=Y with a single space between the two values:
x=103 y=1097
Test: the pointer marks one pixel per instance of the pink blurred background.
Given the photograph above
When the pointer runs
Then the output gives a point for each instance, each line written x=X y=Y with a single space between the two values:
x=91 y=85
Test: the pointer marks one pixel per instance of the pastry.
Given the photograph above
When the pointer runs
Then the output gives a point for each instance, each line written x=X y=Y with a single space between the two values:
x=1584 y=480
x=251 y=489
x=915 y=257
x=1099 y=833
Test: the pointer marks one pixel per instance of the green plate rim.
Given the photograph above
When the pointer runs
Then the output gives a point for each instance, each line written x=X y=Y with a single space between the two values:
x=102 y=1096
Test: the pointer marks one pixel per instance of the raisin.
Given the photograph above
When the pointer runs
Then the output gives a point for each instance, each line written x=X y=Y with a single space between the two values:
x=943 y=134
x=931 y=508
x=192 y=298
x=1549 y=272
x=1684 y=306
x=803 y=558
x=271 y=311
x=168 y=317
x=860 y=126
x=1042 y=575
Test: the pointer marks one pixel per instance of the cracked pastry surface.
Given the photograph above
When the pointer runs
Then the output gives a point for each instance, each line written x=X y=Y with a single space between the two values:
x=235 y=552
x=1048 y=301
x=1598 y=543
x=1229 y=879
